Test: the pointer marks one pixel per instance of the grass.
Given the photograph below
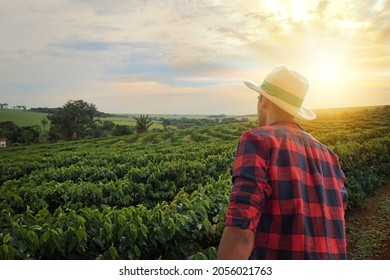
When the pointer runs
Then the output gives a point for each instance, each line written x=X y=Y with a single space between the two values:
x=369 y=228
x=373 y=239
x=21 y=117
x=27 y=118
x=129 y=121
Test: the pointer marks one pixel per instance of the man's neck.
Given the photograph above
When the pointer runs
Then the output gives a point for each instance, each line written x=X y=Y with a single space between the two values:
x=270 y=120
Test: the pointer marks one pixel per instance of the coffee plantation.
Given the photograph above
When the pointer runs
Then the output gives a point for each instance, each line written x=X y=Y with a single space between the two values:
x=159 y=195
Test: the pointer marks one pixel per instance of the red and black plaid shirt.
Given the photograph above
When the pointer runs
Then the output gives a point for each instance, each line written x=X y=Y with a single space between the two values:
x=289 y=190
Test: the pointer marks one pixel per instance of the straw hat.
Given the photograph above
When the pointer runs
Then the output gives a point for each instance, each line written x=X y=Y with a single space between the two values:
x=286 y=89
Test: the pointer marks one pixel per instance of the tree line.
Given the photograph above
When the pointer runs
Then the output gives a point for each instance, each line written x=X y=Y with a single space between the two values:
x=184 y=122
x=75 y=120
x=5 y=106
x=78 y=119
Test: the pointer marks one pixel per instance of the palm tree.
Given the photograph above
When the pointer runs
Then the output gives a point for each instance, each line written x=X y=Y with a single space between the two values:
x=143 y=123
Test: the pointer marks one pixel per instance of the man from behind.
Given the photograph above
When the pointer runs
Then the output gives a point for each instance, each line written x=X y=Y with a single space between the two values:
x=288 y=198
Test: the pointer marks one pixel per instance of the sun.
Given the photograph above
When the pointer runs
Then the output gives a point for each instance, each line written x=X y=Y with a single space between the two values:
x=329 y=71
x=329 y=76
x=328 y=65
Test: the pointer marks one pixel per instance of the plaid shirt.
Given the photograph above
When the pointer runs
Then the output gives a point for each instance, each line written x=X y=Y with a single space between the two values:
x=289 y=190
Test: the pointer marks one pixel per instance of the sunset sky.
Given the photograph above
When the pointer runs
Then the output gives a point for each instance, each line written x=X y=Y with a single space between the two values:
x=190 y=57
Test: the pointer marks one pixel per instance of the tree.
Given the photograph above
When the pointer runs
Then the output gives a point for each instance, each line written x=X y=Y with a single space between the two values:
x=9 y=130
x=120 y=130
x=143 y=123
x=108 y=125
x=21 y=135
x=73 y=121
x=28 y=134
x=20 y=107
x=44 y=123
x=166 y=122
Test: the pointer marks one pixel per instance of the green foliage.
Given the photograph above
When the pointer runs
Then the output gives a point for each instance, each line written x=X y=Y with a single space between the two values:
x=21 y=118
x=121 y=130
x=44 y=122
x=373 y=238
x=143 y=123
x=159 y=195
x=74 y=120
x=19 y=135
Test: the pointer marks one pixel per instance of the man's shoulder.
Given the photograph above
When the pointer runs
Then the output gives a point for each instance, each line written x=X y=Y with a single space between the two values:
x=276 y=136
x=277 y=130
x=286 y=132
x=263 y=132
x=271 y=135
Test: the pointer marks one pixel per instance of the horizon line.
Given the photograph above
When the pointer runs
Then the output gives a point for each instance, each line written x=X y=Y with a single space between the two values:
x=207 y=114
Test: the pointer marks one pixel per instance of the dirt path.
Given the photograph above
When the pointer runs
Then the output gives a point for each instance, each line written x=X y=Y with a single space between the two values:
x=368 y=228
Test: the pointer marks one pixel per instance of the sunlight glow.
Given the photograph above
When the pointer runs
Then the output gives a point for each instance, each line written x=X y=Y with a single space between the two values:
x=160 y=57
x=271 y=5
x=295 y=9
x=329 y=77
x=328 y=65
x=299 y=10
x=329 y=71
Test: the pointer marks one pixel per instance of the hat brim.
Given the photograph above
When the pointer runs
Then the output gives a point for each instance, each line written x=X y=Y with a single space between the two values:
x=298 y=112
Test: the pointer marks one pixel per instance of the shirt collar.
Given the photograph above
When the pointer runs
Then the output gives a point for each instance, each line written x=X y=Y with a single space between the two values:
x=287 y=123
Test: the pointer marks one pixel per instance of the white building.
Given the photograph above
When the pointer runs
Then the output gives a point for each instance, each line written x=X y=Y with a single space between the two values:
x=3 y=142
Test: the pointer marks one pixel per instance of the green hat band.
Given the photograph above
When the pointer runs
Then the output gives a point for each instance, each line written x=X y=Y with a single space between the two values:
x=281 y=94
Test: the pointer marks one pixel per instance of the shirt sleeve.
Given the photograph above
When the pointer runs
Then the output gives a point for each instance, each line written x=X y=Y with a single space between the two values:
x=250 y=182
x=344 y=192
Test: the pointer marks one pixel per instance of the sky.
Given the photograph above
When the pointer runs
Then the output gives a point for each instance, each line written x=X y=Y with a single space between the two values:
x=190 y=57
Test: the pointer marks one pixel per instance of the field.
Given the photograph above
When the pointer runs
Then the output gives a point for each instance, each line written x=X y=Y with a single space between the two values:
x=21 y=117
x=129 y=121
x=28 y=118
x=161 y=195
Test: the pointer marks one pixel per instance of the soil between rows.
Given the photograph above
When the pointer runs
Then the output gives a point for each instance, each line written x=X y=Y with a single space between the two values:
x=361 y=221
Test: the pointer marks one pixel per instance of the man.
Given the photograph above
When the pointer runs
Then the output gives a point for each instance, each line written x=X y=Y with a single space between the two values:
x=288 y=196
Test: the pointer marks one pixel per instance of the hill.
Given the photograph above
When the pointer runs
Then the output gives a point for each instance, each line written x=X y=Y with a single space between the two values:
x=21 y=117
x=30 y=118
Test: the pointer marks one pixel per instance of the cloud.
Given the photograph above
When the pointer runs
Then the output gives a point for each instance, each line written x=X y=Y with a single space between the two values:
x=88 y=46
x=103 y=7
x=322 y=5
x=198 y=49
x=154 y=97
